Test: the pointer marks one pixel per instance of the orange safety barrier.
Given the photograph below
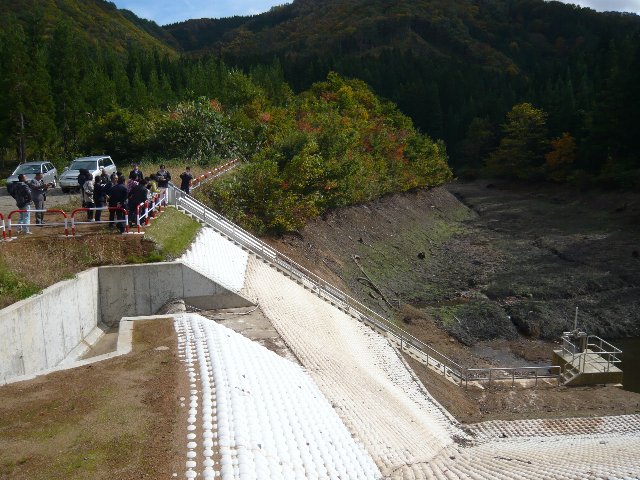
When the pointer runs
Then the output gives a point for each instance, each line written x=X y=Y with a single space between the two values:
x=4 y=234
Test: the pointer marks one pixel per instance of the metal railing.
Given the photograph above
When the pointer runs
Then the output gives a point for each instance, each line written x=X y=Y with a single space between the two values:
x=511 y=374
x=27 y=225
x=74 y=222
x=407 y=342
x=594 y=351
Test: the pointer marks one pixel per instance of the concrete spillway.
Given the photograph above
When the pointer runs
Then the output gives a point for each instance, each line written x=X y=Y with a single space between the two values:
x=406 y=431
x=247 y=415
x=58 y=325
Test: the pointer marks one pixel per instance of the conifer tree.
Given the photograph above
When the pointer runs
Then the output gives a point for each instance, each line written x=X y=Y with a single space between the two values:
x=26 y=107
x=522 y=148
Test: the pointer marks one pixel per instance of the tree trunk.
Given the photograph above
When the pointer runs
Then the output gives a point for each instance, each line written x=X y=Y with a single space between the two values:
x=21 y=147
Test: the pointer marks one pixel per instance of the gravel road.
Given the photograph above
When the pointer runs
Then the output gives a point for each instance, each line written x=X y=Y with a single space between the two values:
x=55 y=197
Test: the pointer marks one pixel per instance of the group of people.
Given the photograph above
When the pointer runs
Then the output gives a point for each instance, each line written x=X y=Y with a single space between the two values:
x=34 y=191
x=97 y=193
x=116 y=192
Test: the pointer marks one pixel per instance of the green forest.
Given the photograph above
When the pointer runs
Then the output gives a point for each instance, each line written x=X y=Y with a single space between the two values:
x=334 y=144
x=328 y=103
x=458 y=67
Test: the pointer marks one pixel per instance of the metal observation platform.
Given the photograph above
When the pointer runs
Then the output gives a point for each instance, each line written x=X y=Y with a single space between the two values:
x=587 y=360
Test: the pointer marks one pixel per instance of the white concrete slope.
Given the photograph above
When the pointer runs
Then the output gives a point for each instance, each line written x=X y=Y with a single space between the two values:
x=360 y=373
x=263 y=412
x=213 y=255
x=407 y=433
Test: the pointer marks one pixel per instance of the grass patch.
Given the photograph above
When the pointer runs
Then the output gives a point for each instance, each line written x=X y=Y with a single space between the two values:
x=31 y=264
x=12 y=286
x=151 y=257
x=172 y=232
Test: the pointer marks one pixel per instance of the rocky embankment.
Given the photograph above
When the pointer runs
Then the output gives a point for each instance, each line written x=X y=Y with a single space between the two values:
x=487 y=261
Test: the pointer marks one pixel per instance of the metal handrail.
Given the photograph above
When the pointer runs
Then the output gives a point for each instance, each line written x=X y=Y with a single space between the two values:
x=428 y=354
x=597 y=352
x=520 y=373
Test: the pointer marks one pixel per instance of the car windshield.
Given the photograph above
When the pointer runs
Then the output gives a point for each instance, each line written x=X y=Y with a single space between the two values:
x=26 y=169
x=88 y=164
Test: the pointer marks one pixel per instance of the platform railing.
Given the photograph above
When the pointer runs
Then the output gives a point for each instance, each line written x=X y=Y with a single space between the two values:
x=608 y=354
x=404 y=340
x=597 y=352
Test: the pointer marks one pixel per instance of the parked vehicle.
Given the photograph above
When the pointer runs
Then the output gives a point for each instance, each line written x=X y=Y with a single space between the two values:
x=29 y=169
x=95 y=164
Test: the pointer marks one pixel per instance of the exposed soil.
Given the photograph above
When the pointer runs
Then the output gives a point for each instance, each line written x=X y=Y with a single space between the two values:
x=474 y=405
x=116 y=419
x=42 y=260
x=490 y=275
x=488 y=262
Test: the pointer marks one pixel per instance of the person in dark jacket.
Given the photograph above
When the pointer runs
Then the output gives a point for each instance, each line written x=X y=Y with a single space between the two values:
x=137 y=195
x=136 y=173
x=104 y=176
x=186 y=178
x=113 y=181
x=118 y=198
x=163 y=177
x=22 y=194
x=99 y=195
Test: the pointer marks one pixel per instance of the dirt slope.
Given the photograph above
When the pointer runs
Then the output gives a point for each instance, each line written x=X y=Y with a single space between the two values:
x=490 y=275
x=488 y=263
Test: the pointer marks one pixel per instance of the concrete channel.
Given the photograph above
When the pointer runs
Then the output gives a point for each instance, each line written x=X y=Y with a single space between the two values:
x=55 y=328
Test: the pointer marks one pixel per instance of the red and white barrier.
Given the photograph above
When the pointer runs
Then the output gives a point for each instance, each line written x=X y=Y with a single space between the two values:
x=144 y=216
x=196 y=182
x=64 y=214
x=102 y=209
x=151 y=208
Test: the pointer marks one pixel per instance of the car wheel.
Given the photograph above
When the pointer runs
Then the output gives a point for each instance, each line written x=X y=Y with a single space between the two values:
x=65 y=189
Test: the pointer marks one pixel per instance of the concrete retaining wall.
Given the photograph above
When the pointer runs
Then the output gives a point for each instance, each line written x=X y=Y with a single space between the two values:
x=58 y=325
x=39 y=332
x=132 y=291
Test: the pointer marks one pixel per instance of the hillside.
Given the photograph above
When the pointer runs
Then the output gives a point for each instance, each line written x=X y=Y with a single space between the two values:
x=486 y=261
x=96 y=22
x=447 y=63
